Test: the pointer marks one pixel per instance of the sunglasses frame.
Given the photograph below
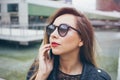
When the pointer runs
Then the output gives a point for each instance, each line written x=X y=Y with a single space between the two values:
x=58 y=29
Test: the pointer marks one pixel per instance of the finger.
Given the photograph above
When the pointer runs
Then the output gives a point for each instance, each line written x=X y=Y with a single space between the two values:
x=45 y=46
x=50 y=63
x=44 y=52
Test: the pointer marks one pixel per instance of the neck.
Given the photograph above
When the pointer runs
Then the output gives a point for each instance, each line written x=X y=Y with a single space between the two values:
x=70 y=64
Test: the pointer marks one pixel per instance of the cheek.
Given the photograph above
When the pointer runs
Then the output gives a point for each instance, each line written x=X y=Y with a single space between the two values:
x=72 y=39
x=70 y=42
x=67 y=45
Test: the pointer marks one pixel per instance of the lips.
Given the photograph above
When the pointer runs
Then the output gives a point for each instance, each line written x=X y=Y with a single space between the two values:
x=54 y=44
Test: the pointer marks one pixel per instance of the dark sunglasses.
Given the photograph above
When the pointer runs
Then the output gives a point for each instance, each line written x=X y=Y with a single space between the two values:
x=62 y=29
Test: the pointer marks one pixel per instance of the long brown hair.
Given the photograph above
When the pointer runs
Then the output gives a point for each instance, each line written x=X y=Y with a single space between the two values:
x=87 y=35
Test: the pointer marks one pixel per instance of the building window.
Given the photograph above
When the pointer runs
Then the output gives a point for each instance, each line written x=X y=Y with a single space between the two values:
x=37 y=19
x=0 y=18
x=12 y=7
x=14 y=20
x=0 y=7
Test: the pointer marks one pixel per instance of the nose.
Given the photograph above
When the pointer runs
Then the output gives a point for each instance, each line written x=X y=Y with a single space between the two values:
x=54 y=34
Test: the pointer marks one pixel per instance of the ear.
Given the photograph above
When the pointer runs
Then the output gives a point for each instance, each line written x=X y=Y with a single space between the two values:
x=80 y=43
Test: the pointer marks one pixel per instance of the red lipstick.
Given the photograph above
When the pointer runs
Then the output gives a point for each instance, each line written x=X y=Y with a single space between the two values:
x=54 y=44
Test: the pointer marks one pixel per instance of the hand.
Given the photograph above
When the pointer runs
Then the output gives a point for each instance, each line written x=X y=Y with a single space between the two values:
x=45 y=63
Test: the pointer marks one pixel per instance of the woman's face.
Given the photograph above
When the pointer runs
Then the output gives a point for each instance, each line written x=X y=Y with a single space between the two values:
x=71 y=42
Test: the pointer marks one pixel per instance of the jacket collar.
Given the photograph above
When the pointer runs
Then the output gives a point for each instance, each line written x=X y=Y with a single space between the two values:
x=88 y=71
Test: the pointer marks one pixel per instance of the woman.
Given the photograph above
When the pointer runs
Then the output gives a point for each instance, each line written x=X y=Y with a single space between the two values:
x=69 y=37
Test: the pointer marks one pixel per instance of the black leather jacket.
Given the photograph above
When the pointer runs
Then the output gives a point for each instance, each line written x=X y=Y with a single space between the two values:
x=89 y=72
x=92 y=73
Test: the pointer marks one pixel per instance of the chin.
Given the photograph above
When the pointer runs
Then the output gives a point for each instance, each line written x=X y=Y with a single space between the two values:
x=56 y=52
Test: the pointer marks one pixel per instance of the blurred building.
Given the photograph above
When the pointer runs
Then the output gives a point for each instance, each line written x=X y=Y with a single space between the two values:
x=108 y=5
x=68 y=1
x=22 y=12
x=25 y=12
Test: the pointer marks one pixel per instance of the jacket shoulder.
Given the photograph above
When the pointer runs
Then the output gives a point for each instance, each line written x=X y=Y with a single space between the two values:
x=102 y=74
x=91 y=72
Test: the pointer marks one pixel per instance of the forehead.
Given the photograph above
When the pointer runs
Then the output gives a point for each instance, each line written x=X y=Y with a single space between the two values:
x=66 y=19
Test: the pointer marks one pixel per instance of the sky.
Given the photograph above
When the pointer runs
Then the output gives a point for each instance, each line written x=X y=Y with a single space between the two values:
x=84 y=4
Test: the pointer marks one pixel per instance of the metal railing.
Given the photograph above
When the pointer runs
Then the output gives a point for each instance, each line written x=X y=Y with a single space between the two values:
x=21 y=30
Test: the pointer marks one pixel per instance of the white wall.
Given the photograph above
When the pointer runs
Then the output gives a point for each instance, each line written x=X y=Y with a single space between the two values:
x=22 y=11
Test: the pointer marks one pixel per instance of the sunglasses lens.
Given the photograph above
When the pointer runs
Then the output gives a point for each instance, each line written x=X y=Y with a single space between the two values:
x=62 y=30
x=50 y=29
